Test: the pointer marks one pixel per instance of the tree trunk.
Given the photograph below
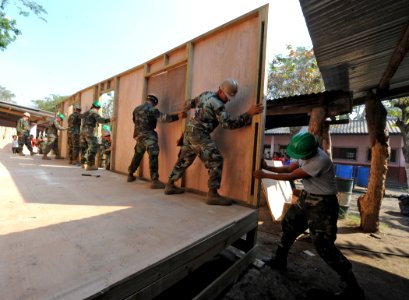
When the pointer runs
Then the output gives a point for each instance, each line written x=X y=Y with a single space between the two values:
x=370 y=204
x=407 y=174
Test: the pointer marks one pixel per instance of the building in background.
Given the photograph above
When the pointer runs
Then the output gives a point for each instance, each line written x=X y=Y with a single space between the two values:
x=351 y=151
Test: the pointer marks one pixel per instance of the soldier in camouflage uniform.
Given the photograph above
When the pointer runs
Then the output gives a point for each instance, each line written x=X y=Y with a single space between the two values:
x=23 y=133
x=210 y=112
x=105 y=148
x=52 y=137
x=88 y=138
x=316 y=208
x=145 y=118
x=74 y=125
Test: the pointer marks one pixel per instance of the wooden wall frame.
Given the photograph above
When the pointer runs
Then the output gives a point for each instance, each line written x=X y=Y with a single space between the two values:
x=236 y=49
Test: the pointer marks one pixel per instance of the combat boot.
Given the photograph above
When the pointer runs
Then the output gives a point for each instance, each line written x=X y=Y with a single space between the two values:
x=91 y=168
x=45 y=157
x=58 y=157
x=21 y=153
x=156 y=184
x=130 y=178
x=279 y=262
x=31 y=153
x=213 y=198
x=171 y=188
x=353 y=290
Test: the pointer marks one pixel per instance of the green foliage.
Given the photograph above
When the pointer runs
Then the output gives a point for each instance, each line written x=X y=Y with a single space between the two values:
x=49 y=103
x=6 y=95
x=358 y=113
x=108 y=106
x=398 y=108
x=294 y=74
x=8 y=26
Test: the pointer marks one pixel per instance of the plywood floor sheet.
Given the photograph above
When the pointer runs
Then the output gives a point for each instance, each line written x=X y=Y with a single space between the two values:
x=68 y=236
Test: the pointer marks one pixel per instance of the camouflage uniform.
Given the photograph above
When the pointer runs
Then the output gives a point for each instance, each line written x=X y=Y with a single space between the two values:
x=318 y=212
x=210 y=112
x=320 y=215
x=74 y=125
x=145 y=118
x=23 y=133
x=88 y=139
x=52 y=138
x=106 y=151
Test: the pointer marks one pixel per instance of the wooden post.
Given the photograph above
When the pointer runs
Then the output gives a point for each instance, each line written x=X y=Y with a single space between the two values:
x=370 y=203
x=114 y=124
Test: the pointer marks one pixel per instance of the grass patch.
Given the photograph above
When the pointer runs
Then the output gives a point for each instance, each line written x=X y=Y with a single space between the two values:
x=355 y=220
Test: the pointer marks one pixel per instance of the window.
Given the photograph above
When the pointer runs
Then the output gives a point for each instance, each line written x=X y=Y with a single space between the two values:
x=344 y=153
x=392 y=157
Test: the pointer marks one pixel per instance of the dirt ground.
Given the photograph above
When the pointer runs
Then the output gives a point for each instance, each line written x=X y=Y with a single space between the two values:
x=380 y=261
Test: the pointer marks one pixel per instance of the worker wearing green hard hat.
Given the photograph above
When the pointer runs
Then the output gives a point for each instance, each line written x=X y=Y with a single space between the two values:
x=73 y=135
x=96 y=104
x=316 y=209
x=61 y=116
x=52 y=137
x=88 y=138
x=302 y=145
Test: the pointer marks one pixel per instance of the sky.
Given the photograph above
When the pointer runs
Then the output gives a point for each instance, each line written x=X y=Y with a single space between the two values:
x=84 y=42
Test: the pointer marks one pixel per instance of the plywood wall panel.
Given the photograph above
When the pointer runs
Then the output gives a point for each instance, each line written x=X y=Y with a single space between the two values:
x=129 y=96
x=87 y=97
x=237 y=50
x=230 y=53
x=63 y=134
x=177 y=56
x=170 y=89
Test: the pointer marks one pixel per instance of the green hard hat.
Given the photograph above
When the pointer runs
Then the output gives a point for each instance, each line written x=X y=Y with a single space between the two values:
x=96 y=104
x=302 y=145
x=106 y=128
x=61 y=116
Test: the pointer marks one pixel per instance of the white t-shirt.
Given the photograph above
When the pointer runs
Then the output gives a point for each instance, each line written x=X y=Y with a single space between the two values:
x=322 y=172
x=14 y=144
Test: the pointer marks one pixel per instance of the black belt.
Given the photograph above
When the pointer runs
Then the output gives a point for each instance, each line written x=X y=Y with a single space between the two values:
x=312 y=196
x=317 y=195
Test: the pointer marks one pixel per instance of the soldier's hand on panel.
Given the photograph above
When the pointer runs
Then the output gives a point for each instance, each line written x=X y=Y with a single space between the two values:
x=255 y=109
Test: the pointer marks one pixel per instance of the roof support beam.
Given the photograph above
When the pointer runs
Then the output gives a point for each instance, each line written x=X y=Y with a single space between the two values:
x=395 y=61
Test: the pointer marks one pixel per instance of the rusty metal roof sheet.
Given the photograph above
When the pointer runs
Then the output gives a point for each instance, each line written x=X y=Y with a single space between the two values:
x=354 y=41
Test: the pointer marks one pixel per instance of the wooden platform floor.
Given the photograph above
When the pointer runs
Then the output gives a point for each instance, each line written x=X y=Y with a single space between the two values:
x=68 y=236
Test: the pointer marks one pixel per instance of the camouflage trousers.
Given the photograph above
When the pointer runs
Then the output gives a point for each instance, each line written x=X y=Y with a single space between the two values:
x=51 y=143
x=143 y=144
x=73 y=146
x=89 y=148
x=319 y=214
x=201 y=145
x=24 y=139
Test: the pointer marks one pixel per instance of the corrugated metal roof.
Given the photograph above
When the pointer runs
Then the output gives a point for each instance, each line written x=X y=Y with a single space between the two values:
x=352 y=128
x=354 y=41
x=10 y=112
x=278 y=131
x=360 y=127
